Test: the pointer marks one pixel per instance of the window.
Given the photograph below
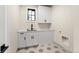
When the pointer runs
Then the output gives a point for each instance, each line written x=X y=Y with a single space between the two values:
x=31 y=14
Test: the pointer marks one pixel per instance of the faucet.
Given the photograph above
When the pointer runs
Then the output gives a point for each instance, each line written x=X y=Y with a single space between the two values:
x=31 y=26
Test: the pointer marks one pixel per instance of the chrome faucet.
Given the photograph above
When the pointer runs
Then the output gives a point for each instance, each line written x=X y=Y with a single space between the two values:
x=31 y=26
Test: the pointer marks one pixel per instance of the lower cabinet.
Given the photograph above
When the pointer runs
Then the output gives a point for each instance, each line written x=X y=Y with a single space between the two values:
x=21 y=40
x=31 y=38
x=27 y=39
x=46 y=37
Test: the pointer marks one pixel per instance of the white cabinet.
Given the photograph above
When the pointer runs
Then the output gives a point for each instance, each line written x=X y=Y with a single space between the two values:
x=44 y=14
x=31 y=38
x=27 y=39
x=21 y=40
x=46 y=37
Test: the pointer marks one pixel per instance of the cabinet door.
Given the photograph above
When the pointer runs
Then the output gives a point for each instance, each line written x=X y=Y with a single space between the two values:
x=34 y=38
x=41 y=15
x=44 y=14
x=28 y=40
x=31 y=39
x=46 y=37
x=22 y=40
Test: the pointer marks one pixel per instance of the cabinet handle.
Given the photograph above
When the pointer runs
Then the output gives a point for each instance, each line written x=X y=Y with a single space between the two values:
x=24 y=38
x=32 y=37
x=45 y=20
x=21 y=33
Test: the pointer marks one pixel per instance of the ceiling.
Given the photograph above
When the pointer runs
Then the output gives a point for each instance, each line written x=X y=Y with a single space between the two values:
x=47 y=5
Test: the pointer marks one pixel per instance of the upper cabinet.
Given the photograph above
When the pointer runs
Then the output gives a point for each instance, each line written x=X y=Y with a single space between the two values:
x=44 y=14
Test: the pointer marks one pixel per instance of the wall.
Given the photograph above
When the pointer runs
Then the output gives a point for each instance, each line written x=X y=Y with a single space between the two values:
x=76 y=28
x=62 y=21
x=76 y=36
x=2 y=24
x=12 y=27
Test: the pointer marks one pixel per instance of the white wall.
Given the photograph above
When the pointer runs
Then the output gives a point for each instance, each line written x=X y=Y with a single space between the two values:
x=76 y=28
x=12 y=27
x=62 y=21
x=76 y=36
x=2 y=24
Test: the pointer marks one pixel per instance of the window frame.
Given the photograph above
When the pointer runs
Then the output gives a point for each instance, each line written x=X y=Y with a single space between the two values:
x=31 y=14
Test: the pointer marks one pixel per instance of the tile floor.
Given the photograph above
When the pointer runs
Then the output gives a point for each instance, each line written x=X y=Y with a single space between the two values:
x=43 y=48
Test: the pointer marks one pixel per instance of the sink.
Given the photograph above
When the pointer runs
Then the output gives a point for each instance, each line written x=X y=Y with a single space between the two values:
x=31 y=30
x=25 y=30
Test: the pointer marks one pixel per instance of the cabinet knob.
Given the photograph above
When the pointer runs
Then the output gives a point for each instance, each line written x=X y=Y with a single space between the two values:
x=45 y=20
x=24 y=38
x=32 y=37
x=21 y=33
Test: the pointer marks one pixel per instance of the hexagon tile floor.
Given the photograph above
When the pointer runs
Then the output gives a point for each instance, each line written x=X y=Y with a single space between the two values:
x=43 y=48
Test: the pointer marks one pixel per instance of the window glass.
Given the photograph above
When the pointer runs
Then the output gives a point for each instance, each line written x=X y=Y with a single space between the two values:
x=29 y=18
x=30 y=11
x=32 y=17
x=31 y=14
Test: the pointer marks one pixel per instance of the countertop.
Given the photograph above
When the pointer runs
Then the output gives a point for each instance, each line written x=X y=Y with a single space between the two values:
x=34 y=30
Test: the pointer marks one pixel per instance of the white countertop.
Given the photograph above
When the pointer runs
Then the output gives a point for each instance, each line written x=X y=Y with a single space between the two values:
x=34 y=31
